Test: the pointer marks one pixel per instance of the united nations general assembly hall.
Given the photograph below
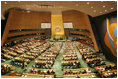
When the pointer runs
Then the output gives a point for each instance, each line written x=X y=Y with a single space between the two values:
x=59 y=39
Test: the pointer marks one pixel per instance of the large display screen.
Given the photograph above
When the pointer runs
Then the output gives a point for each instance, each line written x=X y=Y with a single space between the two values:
x=68 y=25
x=45 y=25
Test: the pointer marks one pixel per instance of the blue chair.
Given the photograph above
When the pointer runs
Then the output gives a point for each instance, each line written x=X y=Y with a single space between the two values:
x=36 y=66
x=20 y=64
x=43 y=67
x=33 y=66
x=92 y=65
x=102 y=63
x=15 y=63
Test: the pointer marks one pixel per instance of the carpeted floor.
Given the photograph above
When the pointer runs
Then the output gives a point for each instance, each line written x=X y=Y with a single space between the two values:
x=57 y=64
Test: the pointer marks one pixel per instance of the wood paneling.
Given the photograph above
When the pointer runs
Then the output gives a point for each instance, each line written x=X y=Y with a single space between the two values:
x=76 y=17
x=24 y=20
x=81 y=37
x=80 y=21
x=23 y=37
x=21 y=33
x=80 y=32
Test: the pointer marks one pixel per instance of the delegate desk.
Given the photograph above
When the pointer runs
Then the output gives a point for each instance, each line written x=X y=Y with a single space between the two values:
x=12 y=54
x=7 y=65
x=89 y=56
x=99 y=67
x=27 y=57
x=69 y=62
x=32 y=54
x=109 y=74
x=40 y=62
x=30 y=75
x=22 y=59
x=6 y=56
x=76 y=71
x=88 y=75
x=97 y=58
x=43 y=71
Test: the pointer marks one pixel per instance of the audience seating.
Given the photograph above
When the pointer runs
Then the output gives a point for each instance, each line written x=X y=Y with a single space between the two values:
x=30 y=75
x=5 y=68
x=70 y=59
x=76 y=71
x=107 y=71
x=45 y=54
x=46 y=60
x=89 y=56
x=90 y=75
x=42 y=71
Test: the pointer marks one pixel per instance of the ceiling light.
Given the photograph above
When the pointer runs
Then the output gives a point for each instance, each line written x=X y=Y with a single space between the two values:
x=5 y=2
x=28 y=11
x=112 y=8
x=77 y=4
x=91 y=7
x=100 y=12
x=105 y=10
x=88 y=3
x=104 y=6
x=94 y=10
x=101 y=1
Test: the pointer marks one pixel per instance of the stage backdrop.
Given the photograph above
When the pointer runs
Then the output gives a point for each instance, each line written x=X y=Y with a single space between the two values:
x=106 y=26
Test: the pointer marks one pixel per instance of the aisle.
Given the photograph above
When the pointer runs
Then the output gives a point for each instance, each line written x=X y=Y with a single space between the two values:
x=82 y=63
x=57 y=64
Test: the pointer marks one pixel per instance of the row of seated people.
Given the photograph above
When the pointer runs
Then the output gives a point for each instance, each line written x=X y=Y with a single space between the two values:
x=26 y=51
x=90 y=43
x=5 y=68
x=17 y=49
x=32 y=75
x=90 y=58
x=27 y=58
x=42 y=71
x=107 y=71
x=70 y=59
x=86 y=75
x=78 y=73
x=46 y=60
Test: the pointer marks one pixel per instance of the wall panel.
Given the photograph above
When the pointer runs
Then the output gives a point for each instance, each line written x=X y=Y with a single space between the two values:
x=24 y=20
x=80 y=21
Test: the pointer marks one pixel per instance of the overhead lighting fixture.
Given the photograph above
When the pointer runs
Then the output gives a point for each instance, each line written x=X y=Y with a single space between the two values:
x=5 y=2
x=88 y=3
x=91 y=7
x=100 y=12
x=104 y=6
x=112 y=8
x=28 y=11
x=105 y=10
